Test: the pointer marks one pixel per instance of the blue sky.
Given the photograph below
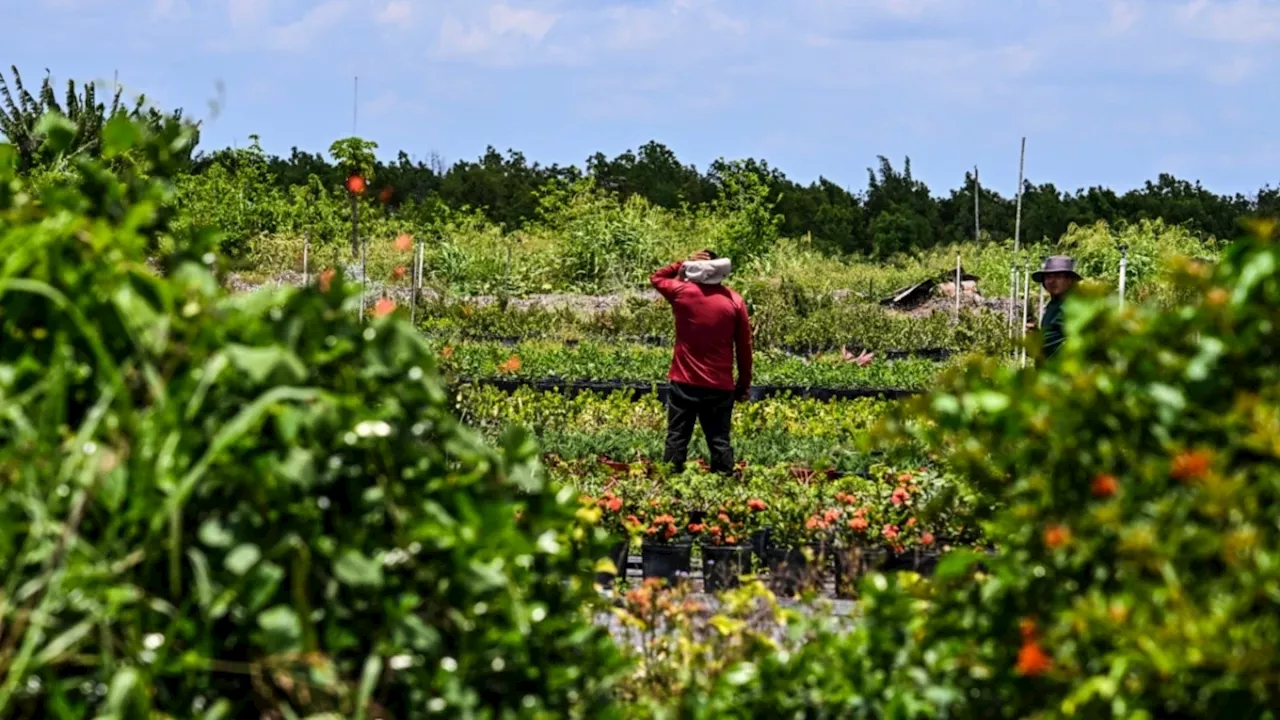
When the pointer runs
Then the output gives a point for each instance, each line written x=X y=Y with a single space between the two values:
x=1107 y=92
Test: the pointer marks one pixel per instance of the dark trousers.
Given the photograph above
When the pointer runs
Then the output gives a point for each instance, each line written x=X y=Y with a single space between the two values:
x=713 y=409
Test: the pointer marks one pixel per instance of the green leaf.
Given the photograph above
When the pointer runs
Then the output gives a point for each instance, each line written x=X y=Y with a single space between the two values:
x=283 y=628
x=119 y=135
x=955 y=564
x=63 y=643
x=242 y=559
x=260 y=362
x=354 y=569
x=58 y=132
x=213 y=534
x=368 y=680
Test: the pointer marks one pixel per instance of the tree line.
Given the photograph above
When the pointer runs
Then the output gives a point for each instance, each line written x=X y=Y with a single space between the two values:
x=895 y=212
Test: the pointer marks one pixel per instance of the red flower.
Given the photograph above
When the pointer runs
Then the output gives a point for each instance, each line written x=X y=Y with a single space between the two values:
x=613 y=503
x=399 y=273
x=890 y=532
x=756 y=504
x=1191 y=464
x=384 y=306
x=355 y=184
x=1056 y=536
x=926 y=538
x=696 y=528
x=900 y=495
x=858 y=524
x=1032 y=660
x=1104 y=485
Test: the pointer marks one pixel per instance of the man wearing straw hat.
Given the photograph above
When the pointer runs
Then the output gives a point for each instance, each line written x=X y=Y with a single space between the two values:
x=1058 y=277
x=712 y=330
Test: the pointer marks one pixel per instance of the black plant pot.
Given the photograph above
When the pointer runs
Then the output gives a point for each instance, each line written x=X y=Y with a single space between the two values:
x=760 y=543
x=927 y=562
x=667 y=561
x=788 y=570
x=618 y=554
x=723 y=566
x=851 y=563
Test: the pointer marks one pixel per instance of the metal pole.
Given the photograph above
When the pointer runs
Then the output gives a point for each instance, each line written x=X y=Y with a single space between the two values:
x=364 y=277
x=1026 y=302
x=977 y=191
x=1124 y=269
x=413 y=284
x=1017 y=218
x=306 y=251
x=957 y=287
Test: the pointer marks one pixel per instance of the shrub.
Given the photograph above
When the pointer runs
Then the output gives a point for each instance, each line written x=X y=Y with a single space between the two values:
x=219 y=506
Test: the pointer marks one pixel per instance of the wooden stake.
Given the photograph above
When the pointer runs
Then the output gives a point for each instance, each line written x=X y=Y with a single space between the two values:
x=1017 y=218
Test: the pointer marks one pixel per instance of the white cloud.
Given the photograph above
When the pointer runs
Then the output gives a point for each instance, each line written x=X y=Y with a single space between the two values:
x=492 y=33
x=1236 y=21
x=533 y=24
x=302 y=33
x=1124 y=14
x=396 y=12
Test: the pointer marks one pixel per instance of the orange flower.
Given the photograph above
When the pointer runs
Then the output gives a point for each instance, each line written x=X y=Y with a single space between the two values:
x=723 y=517
x=904 y=478
x=715 y=530
x=696 y=528
x=731 y=540
x=384 y=306
x=613 y=504
x=1056 y=536
x=447 y=351
x=890 y=532
x=756 y=504
x=511 y=365
x=1032 y=660
x=1104 y=485
x=831 y=516
x=926 y=538
x=399 y=273
x=326 y=279
x=1191 y=464
x=911 y=522
x=900 y=495
x=404 y=243
x=355 y=184
x=858 y=524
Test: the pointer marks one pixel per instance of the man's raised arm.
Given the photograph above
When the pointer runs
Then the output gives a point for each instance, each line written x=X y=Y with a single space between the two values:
x=667 y=280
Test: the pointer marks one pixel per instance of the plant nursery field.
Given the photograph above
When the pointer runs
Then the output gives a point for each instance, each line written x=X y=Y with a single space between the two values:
x=222 y=503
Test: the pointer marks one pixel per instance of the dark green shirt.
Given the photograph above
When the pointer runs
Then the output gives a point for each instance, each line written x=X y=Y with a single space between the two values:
x=1051 y=328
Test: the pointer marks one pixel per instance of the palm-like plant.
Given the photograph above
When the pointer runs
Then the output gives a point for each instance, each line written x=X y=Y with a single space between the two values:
x=20 y=114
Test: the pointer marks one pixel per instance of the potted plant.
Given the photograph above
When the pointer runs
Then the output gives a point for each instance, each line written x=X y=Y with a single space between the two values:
x=662 y=526
x=608 y=511
x=726 y=554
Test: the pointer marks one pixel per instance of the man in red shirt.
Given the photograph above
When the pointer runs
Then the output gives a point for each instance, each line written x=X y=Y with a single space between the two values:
x=711 y=323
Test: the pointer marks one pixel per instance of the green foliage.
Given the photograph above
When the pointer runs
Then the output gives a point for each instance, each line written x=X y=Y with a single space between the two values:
x=92 y=129
x=751 y=223
x=354 y=156
x=225 y=506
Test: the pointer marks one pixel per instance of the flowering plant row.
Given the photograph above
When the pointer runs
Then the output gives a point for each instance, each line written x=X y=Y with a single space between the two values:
x=890 y=508
x=593 y=361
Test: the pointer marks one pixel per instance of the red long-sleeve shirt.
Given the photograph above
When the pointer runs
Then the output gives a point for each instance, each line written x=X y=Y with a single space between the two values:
x=711 y=321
